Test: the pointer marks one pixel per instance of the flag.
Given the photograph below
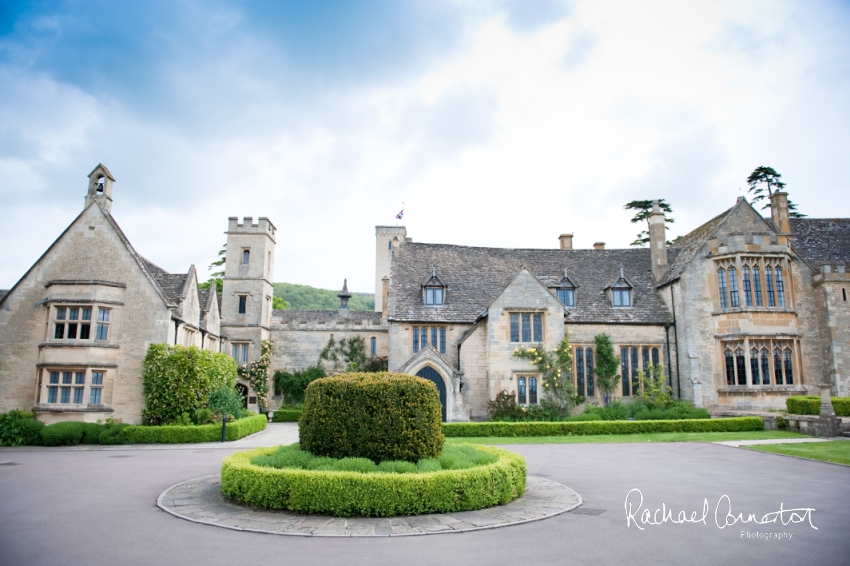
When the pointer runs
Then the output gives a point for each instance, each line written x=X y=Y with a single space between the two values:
x=400 y=215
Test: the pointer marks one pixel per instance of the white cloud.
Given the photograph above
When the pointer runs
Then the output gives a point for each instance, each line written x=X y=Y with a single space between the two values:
x=522 y=133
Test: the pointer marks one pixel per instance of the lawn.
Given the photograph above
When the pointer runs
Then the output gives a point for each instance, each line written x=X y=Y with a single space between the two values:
x=836 y=451
x=619 y=438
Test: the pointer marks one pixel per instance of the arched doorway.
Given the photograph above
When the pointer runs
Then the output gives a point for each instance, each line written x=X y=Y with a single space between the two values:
x=434 y=376
x=243 y=390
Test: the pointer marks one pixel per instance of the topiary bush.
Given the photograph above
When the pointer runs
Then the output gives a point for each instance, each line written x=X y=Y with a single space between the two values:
x=287 y=415
x=379 y=416
x=399 y=489
x=203 y=433
x=227 y=400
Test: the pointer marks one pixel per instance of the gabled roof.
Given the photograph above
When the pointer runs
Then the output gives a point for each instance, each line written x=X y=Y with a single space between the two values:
x=821 y=241
x=3 y=293
x=105 y=171
x=478 y=275
x=688 y=246
x=155 y=274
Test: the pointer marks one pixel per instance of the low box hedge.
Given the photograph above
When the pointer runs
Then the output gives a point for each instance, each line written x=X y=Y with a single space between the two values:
x=187 y=434
x=345 y=494
x=734 y=424
x=810 y=405
x=287 y=415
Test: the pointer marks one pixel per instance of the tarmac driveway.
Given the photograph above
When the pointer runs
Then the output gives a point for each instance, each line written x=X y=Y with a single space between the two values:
x=98 y=507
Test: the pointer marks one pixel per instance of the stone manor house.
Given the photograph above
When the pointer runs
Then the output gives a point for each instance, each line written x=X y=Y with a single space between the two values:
x=742 y=312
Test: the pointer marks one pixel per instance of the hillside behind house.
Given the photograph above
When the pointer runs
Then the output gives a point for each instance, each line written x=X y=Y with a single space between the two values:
x=305 y=297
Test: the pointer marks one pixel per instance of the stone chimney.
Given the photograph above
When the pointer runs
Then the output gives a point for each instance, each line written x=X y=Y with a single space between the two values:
x=599 y=246
x=385 y=296
x=658 y=242
x=344 y=296
x=566 y=241
x=779 y=211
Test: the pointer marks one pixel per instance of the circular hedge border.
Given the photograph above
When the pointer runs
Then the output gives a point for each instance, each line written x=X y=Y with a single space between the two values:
x=346 y=494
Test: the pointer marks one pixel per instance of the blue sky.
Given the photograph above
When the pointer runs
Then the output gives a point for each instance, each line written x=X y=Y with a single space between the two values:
x=497 y=123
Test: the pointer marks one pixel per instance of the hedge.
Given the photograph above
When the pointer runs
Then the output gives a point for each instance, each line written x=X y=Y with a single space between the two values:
x=287 y=415
x=187 y=434
x=344 y=494
x=734 y=424
x=810 y=405
x=380 y=416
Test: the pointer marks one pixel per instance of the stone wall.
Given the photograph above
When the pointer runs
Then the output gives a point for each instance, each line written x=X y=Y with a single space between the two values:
x=90 y=251
x=474 y=363
x=831 y=289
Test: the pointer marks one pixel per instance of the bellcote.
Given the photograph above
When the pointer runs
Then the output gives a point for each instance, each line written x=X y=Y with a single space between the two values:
x=100 y=187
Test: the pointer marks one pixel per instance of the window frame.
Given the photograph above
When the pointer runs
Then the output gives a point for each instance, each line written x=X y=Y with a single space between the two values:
x=422 y=335
x=527 y=324
x=80 y=322
x=528 y=389
x=767 y=362
x=72 y=387
x=239 y=352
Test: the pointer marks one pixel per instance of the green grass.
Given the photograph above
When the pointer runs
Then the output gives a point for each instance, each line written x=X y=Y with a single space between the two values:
x=836 y=451
x=617 y=438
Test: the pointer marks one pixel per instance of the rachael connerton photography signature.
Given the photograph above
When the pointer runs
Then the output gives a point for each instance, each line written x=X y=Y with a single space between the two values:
x=723 y=514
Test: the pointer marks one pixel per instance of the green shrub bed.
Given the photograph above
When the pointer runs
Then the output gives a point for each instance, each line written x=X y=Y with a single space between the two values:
x=810 y=405
x=735 y=424
x=187 y=434
x=19 y=428
x=287 y=415
x=382 y=492
x=379 y=416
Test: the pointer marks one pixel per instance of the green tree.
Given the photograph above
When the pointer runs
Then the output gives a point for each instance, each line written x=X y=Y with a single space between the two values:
x=349 y=354
x=305 y=297
x=279 y=303
x=607 y=364
x=763 y=182
x=643 y=209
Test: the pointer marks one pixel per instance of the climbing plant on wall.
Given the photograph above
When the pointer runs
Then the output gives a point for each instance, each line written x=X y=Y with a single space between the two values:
x=257 y=372
x=556 y=373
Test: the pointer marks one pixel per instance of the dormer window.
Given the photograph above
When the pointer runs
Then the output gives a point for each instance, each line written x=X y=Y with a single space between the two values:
x=622 y=297
x=434 y=296
x=566 y=291
x=621 y=291
x=434 y=290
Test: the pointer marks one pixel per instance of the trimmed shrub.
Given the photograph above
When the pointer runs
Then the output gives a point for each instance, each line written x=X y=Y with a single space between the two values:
x=177 y=380
x=68 y=433
x=380 y=416
x=91 y=433
x=287 y=415
x=373 y=494
x=188 y=434
x=810 y=405
x=19 y=428
x=734 y=424
x=114 y=434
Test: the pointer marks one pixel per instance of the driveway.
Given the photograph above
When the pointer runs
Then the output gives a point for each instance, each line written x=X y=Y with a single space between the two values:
x=98 y=507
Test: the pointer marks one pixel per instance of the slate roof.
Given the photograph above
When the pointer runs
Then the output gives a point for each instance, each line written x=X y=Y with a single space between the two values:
x=296 y=316
x=203 y=298
x=3 y=293
x=475 y=277
x=171 y=284
x=821 y=241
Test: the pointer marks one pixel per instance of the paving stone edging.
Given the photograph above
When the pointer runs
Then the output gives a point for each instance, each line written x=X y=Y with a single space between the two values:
x=200 y=500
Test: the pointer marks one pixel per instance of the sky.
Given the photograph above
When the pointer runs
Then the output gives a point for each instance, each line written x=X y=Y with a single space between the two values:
x=500 y=123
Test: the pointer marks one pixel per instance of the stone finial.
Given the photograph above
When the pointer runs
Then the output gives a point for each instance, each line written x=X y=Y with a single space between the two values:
x=344 y=296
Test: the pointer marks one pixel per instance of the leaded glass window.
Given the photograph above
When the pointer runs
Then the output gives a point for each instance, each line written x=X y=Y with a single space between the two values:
x=768 y=280
x=589 y=375
x=748 y=291
x=521 y=392
x=733 y=286
x=624 y=370
x=754 y=365
x=730 y=367
x=777 y=366
x=526 y=327
x=780 y=287
x=789 y=372
x=740 y=364
x=721 y=283
x=580 y=371
x=532 y=390
x=757 y=286
x=635 y=376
